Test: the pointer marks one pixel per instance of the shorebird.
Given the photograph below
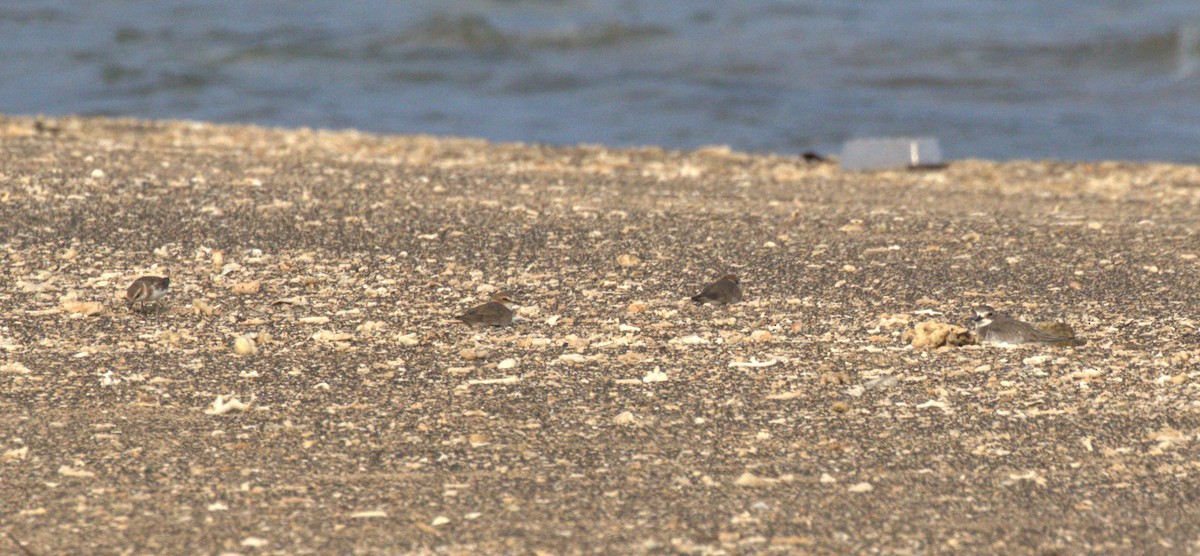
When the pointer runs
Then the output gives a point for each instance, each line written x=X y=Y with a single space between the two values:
x=497 y=312
x=147 y=289
x=724 y=291
x=992 y=327
x=813 y=156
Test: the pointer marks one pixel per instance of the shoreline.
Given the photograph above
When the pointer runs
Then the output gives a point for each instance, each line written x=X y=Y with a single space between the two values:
x=617 y=415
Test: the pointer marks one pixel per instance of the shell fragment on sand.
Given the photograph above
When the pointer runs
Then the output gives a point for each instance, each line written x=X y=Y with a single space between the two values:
x=330 y=336
x=861 y=488
x=67 y=471
x=657 y=375
x=226 y=403
x=15 y=367
x=749 y=479
x=369 y=514
x=244 y=345
x=754 y=363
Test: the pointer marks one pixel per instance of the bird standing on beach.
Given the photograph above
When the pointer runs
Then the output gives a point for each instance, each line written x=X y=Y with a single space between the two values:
x=724 y=291
x=992 y=327
x=147 y=289
x=494 y=313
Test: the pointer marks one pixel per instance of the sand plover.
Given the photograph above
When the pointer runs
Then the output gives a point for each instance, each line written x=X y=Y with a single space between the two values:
x=993 y=327
x=722 y=292
x=147 y=289
x=497 y=312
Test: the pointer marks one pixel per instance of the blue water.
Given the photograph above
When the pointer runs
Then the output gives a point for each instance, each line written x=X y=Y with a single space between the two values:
x=1067 y=79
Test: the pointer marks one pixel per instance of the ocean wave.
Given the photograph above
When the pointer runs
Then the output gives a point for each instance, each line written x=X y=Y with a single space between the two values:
x=37 y=15
x=474 y=32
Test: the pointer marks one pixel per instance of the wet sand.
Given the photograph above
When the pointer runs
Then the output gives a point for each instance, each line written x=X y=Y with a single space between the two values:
x=616 y=417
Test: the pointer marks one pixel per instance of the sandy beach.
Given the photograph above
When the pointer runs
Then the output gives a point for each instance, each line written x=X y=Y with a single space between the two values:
x=303 y=389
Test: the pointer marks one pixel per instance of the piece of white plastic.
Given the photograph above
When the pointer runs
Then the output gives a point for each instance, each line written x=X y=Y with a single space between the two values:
x=891 y=153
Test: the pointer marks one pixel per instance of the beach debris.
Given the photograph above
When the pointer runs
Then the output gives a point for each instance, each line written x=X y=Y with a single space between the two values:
x=243 y=288
x=67 y=471
x=330 y=336
x=226 y=403
x=657 y=375
x=368 y=514
x=754 y=363
x=631 y=358
x=471 y=354
x=885 y=381
x=244 y=345
x=577 y=359
x=934 y=403
x=887 y=320
x=1036 y=360
x=15 y=454
x=891 y=153
x=933 y=334
x=299 y=301
x=15 y=367
x=751 y=480
x=84 y=308
x=861 y=487
x=202 y=307
x=1031 y=476
x=786 y=395
x=625 y=418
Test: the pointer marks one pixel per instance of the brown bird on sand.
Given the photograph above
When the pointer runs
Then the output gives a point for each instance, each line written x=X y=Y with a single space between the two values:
x=724 y=291
x=992 y=327
x=147 y=289
x=497 y=312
